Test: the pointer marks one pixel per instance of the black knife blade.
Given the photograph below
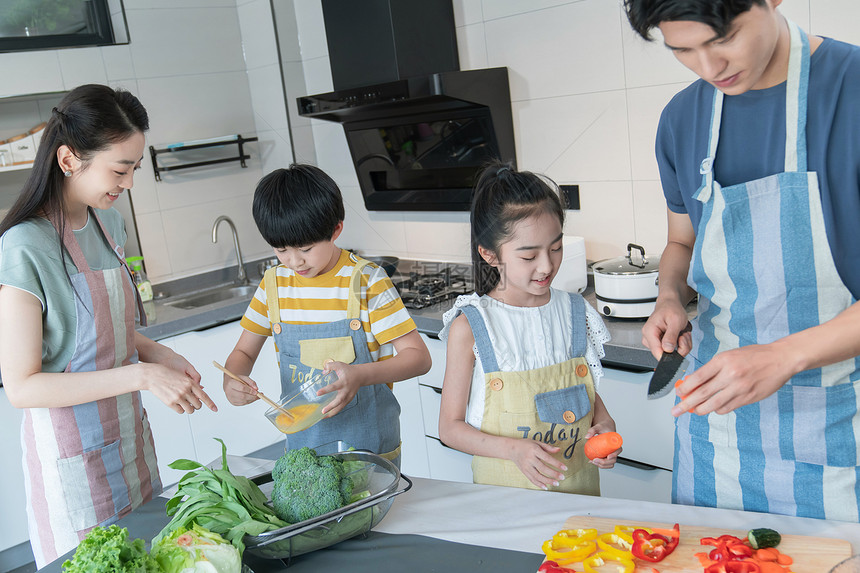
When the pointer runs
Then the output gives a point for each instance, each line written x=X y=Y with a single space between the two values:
x=669 y=370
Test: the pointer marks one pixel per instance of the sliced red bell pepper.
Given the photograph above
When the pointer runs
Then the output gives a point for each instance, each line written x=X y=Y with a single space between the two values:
x=733 y=567
x=654 y=547
x=553 y=567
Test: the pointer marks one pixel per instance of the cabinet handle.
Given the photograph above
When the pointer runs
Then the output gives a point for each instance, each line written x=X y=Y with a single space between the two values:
x=444 y=445
x=434 y=388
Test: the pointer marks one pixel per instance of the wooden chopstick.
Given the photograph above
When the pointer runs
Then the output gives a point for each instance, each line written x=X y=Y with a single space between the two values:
x=260 y=395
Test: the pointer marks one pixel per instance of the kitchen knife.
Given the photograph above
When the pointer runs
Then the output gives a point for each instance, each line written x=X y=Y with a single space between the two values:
x=669 y=370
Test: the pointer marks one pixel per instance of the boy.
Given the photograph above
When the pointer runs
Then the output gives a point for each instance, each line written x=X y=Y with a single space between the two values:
x=759 y=162
x=299 y=211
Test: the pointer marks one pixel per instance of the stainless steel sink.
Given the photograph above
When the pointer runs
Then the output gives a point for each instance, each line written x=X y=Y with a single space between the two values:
x=212 y=296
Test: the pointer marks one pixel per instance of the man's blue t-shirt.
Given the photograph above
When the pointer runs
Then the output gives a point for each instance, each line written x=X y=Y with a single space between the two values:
x=752 y=146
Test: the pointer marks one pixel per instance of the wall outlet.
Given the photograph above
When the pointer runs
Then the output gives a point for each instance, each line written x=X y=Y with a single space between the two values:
x=570 y=194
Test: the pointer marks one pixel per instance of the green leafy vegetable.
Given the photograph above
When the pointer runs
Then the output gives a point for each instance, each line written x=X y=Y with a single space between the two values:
x=108 y=550
x=229 y=505
x=187 y=548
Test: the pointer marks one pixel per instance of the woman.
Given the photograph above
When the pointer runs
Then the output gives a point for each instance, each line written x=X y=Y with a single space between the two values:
x=69 y=351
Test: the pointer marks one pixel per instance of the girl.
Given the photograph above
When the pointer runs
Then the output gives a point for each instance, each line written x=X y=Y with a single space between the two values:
x=68 y=347
x=523 y=359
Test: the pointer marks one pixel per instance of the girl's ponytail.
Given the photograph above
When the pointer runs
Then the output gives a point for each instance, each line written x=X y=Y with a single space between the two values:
x=502 y=197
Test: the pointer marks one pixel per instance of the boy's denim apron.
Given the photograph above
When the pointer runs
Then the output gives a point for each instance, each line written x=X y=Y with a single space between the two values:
x=371 y=420
x=553 y=404
x=90 y=464
x=763 y=269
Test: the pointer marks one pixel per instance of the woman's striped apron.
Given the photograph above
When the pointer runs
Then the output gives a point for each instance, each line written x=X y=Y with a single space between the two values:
x=90 y=464
x=763 y=269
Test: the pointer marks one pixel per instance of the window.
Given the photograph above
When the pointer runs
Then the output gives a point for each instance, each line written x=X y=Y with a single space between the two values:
x=49 y=24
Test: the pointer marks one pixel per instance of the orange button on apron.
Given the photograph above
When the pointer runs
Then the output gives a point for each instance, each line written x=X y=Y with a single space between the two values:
x=497 y=384
x=582 y=370
x=355 y=324
x=276 y=328
x=569 y=416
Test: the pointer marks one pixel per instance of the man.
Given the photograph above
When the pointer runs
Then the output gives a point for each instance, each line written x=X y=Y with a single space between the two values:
x=760 y=166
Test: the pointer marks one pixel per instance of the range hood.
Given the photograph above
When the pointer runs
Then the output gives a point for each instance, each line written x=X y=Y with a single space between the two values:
x=421 y=130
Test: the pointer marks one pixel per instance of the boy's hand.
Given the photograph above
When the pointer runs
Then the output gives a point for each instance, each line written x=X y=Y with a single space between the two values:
x=535 y=460
x=602 y=428
x=239 y=394
x=347 y=384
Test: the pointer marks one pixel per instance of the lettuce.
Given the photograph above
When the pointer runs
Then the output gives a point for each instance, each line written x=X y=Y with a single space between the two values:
x=108 y=550
x=196 y=550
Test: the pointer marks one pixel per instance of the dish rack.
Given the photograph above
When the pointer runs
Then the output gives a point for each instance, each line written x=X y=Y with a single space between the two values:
x=383 y=481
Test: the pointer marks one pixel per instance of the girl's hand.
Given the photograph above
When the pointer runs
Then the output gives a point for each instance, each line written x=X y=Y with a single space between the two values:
x=605 y=425
x=535 y=460
x=175 y=388
x=239 y=394
x=347 y=384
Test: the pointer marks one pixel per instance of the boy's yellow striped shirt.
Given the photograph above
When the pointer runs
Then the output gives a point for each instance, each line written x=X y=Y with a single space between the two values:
x=323 y=299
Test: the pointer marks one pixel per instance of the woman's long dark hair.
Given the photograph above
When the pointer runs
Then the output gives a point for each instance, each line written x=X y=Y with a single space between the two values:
x=502 y=198
x=89 y=119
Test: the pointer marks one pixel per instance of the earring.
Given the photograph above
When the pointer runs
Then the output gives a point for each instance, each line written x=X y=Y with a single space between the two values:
x=67 y=173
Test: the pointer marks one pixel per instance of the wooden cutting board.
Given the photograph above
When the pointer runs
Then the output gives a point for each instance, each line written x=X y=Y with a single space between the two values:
x=810 y=554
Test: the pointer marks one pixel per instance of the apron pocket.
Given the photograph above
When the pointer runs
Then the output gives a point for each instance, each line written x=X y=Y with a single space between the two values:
x=527 y=426
x=316 y=351
x=816 y=424
x=93 y=486
x=563 y=406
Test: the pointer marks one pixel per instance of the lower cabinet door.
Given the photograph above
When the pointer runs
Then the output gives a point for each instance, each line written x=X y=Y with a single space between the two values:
x=447 y=463
x=629 y=480
x=413 y=459
x=13 y=526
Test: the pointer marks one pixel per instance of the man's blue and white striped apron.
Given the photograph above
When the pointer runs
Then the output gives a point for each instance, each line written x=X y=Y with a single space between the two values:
x=763 y=269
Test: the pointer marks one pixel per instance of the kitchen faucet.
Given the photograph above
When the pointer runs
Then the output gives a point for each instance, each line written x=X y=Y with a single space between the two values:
x=242 y=278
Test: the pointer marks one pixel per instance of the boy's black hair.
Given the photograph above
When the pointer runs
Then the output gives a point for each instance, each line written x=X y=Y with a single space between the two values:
x=298 y=206
x=502 y=198
x=645 y=15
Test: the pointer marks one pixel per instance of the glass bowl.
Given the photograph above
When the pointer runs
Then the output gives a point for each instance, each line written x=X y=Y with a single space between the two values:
x=303 y=404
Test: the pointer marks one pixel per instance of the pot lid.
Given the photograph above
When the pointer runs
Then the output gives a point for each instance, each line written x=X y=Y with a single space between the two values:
x=634 y=263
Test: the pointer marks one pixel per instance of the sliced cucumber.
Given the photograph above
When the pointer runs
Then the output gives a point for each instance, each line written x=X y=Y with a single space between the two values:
x=763 y=537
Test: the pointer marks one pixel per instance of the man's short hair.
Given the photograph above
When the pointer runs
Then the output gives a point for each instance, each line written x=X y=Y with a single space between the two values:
x=645 y=15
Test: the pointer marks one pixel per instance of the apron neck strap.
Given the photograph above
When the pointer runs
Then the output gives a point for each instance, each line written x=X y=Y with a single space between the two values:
x=353 y=304
x=796 y=90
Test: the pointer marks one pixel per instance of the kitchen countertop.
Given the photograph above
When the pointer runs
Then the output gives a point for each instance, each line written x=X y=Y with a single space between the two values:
x=625 y=350
x=501 y=518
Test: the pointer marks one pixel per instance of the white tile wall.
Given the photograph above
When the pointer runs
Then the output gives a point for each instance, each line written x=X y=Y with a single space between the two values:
x=587 y=96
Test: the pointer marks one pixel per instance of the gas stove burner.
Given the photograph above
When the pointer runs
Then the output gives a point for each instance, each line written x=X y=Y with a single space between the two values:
x=429 y=285
x=421 y=290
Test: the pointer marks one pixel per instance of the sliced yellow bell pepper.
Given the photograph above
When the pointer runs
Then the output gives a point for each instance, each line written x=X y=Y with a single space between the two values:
x=567 y=552
x=625 y=532
x=600 y=559
x=577 y=534
x=615 y=544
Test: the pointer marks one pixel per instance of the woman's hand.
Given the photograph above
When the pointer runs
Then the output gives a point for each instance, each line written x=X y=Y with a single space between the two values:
x=535 y=460
x=176 y=388
x=733 y=379
x=348 y=382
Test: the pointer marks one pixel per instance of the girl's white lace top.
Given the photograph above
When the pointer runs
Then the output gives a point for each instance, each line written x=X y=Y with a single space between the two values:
x=526 y=338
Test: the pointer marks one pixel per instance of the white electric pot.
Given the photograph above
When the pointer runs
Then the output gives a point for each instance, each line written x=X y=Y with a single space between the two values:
x=626 y=287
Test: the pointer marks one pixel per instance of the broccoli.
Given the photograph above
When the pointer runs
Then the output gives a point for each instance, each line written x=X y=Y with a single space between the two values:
x=307 y=486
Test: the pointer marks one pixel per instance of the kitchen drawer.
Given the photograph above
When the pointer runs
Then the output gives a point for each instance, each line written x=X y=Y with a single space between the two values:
x=647 y=426
x=641 y=483
x=431 y=402
x=447 y=463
